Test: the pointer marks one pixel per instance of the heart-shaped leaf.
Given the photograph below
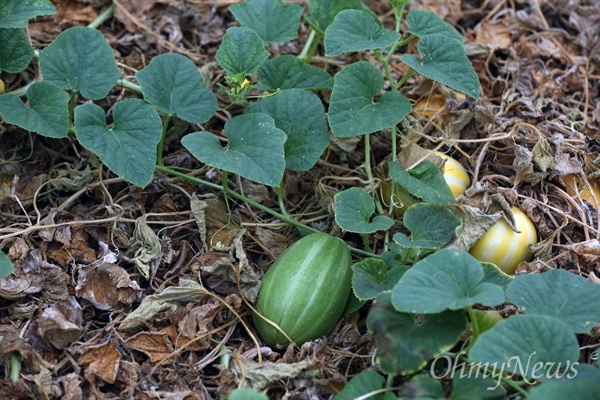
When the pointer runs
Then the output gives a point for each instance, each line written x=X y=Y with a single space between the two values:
x=255 y=150
x=444 y=60
x=241 y=52
x=353 y=210
x=424 y=181
x=371 y=277
x=353 y=110
x=406 y=342
x=527 y=345
x=47 y=113
x=173 y=84
x=449 y=279
x=289 y=72
x=16 y=13
x=80 y=59
x=364 y=382
x=128 y=148
x=15 y=50
x=323 y=12
x=301 y=116
x=356 y=30
x=423 y=23
x=273 y=20
x=559 y=294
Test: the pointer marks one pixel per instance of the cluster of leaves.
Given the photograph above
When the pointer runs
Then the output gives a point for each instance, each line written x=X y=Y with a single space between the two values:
x=419 y=313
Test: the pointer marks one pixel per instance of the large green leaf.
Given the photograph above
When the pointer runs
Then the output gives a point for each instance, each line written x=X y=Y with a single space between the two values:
x=80 y=59
x=16 y=13
x=424 y=181
x=255 y=149
x=449 y=279
x=371 y=277
x=301 y=116
x=6 y=265
x=353 y=110
x=246 y=394
x=532 y=346
x=429 y=225
x=15 y=50
x=423 y=23
x=444 y=60
x=322 y=12
x=565 y=390
x=272 y=20
x=353 y=210
x=289 y=72
x=406 y=342
x=47 y=113
x=128 y=148
x=356 y=30
x=173 y=84
x=560 y=294
x=466 y=386
x=361 y=384
x=241 y=52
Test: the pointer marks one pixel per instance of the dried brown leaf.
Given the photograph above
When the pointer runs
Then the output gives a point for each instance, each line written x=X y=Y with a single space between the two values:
x=107 y=287
x=101 y=361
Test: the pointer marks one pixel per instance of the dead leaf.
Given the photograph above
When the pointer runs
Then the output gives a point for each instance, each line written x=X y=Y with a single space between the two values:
x=167 y=300
x=155 y=345
x=107 y=286
x=59 y=325
x=101 y=361
x=523 y=165
x=475 y=223
x=147 y=248
x=274 y=242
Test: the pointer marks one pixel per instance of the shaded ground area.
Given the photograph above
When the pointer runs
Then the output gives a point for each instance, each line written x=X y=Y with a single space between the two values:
x=81 y=239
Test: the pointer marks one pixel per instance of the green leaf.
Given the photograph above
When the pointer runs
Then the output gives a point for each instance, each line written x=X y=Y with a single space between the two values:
x=565 y=390
x=15 y=50
x=406 y=342
x=422 y=387
x=431 y=223
x=289 y=72
x=173 y=84
x=449 y=279
x=356 y=30
x=241 y=52
x=272 y=20
x=444 y=60
x=16 y=13
x=129 y=147
x=580 y=381
x=423 y=23
x=353 y=110
x=301 y=116
x=424 y=181
x=361 y=384
x=372 y=277
x=255 y=150
x=476 y=387
x=246 y=394
x=322 y=12
x=559 y=294
x=80 y=59
x=47 y=113
x=6 y=265
x=353 y=209
x=531 y=346
x=495 y=275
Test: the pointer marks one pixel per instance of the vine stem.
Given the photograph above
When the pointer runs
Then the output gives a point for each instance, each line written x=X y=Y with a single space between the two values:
x=280 y=199
x=369 y=172
x=106 y=14
x=474 y=325
x=225 y=189
x=161 y=144
x=310 y=47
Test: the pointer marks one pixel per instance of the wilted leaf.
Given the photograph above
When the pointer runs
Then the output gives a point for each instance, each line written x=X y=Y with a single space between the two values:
x=147 y=248
x=107 y=286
